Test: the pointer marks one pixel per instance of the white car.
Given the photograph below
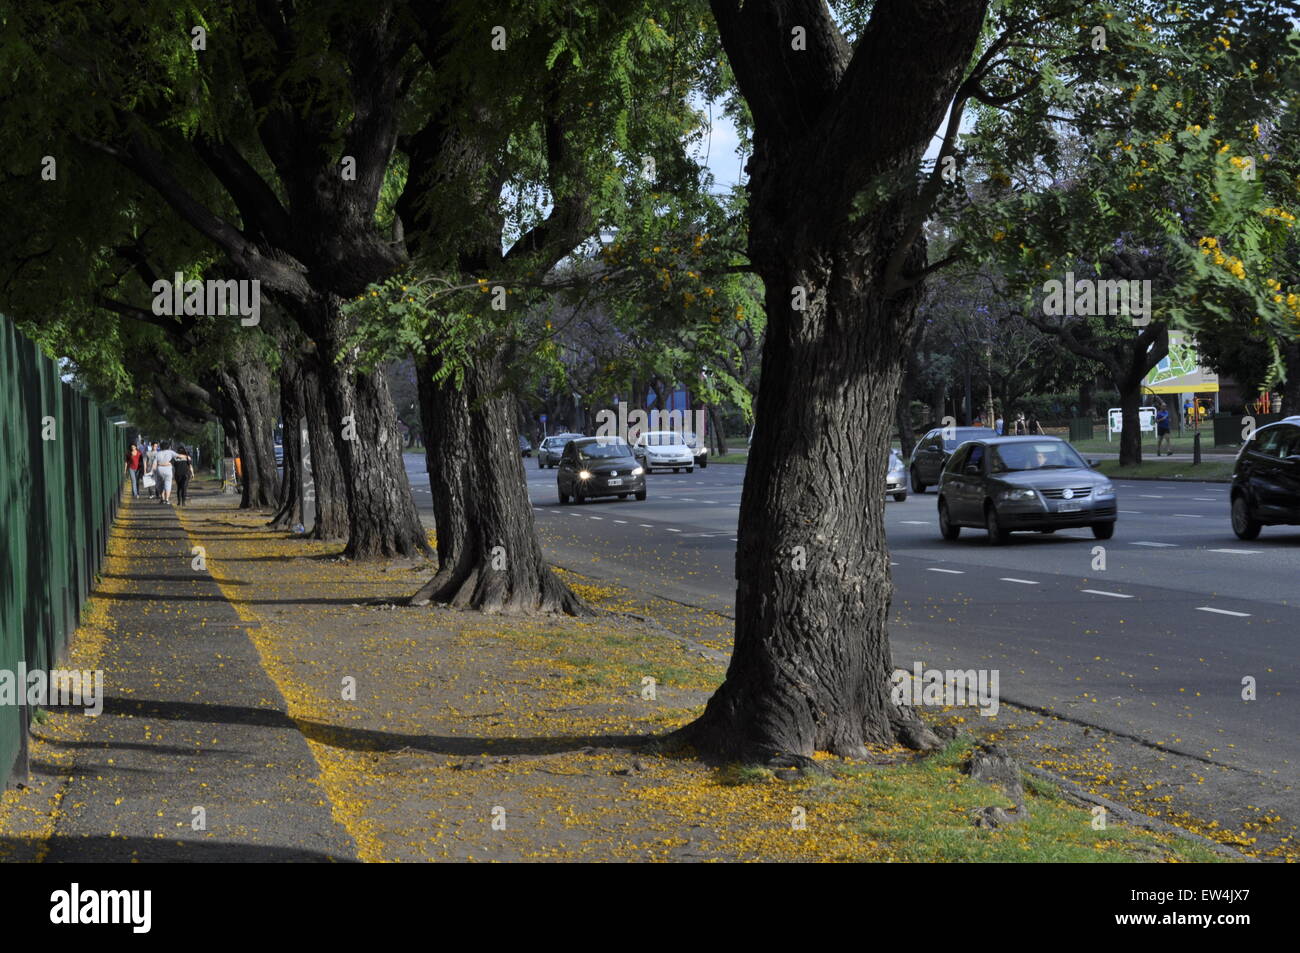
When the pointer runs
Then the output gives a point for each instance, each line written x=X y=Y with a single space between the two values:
x=896 y=479
x=663 y=450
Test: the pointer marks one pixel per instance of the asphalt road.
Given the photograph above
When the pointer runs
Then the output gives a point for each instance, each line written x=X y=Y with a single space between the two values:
x=1155 y=646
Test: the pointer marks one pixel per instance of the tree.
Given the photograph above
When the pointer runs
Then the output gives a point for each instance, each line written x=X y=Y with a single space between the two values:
x=840 y=254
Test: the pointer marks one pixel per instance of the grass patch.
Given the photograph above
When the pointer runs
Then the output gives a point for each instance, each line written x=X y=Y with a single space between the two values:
x=920 y=811
x=729 y=458
x=1208 y=471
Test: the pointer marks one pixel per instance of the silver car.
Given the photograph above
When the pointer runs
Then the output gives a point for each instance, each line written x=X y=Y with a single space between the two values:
x=1004 y=484
x=896 y=481
x=549 y=450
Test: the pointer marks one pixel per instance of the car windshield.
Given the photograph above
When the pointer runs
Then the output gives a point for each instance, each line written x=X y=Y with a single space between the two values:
x=1036 y=455
x=606 y=451
x=663 y=438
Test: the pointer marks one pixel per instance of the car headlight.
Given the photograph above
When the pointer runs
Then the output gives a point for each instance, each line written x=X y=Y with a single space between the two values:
x=637 y=471
x=1021 y=495
x=584 y=475
x=1104 y=492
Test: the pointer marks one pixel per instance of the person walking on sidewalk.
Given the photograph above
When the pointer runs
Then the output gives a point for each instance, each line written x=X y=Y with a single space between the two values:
x=150 y=465
x=134 y=459
x=184 y=470
x=166 y=470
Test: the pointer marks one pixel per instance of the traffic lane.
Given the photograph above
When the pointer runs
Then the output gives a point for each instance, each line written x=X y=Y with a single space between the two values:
x=1165 y=543
x=1161 y=664
x=1131 y=658
x=1138 y=659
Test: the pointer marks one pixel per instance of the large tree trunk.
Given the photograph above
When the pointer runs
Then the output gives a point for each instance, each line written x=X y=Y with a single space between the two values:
x=328 y=492
x=444 y=421
x=489 y=557
x=290 y=512
x=810 y=670
x=1130 y=438
x=811 y=666
x=253 y=378
x=237 y=415
x=382 y=519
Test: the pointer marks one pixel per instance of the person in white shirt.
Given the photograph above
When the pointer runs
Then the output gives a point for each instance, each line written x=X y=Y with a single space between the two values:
x=166 y=472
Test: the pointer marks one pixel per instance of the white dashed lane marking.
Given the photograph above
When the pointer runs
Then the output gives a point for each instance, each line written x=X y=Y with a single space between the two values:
x=1103 y=592
x=1239 y=615
x=1160 y=545
x=1023 y=582
x=1238 y=552
x=955 y=572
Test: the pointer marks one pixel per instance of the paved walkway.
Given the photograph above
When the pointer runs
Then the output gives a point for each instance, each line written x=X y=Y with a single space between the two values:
x=191 y=721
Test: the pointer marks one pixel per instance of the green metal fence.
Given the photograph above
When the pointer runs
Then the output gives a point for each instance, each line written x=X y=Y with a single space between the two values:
x=61 y=469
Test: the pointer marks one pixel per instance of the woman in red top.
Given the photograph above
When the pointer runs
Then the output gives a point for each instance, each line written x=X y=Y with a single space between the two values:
x=134 y=460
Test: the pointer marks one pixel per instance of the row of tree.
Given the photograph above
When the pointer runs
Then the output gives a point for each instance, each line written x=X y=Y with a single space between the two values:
x=469 y=183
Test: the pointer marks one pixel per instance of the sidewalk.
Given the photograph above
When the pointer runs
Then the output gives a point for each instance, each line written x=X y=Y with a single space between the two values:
x=191 y=720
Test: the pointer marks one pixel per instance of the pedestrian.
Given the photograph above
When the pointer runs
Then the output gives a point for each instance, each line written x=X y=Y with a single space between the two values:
x=998 y=425
x=134 y=460
x=166 y=459
x=1162 y=429
x=184 y=468
x=150 y=466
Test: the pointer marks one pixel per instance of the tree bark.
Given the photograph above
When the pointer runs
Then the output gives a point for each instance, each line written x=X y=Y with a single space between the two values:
x=253 y=379
x=382 y=519
x=490 y=559
x=329 y=492
x=290 y=512
x=811 y=666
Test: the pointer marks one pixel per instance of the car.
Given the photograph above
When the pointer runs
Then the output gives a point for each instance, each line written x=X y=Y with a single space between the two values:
x=279 y=454
x=1004 y=484
x=662 y=450
x=598 y=466
x=699 y=448
x=933 y=450
x=525 y=446
x=549 y=450
x=896 y=479
x=1266 y=479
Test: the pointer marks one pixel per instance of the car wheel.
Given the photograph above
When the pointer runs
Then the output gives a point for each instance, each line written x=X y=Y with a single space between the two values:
x=677 y=469
x=1103 y=530
x=640 y=494
x=704 y=462
x=997 y=535
x=578 y=496
x=946 y=526
x=690 y=469
x=917 y=485
x=1243 y=524
x=622 y=496
x=900 y=497
x=564 y=498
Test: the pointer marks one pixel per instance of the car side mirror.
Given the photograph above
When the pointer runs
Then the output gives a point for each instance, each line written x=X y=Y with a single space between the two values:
x=1093 y=463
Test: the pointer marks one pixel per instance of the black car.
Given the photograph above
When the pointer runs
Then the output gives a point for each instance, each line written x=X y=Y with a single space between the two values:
x=1266 y=480
x=934 y=449
x=599 y=466
x=1003 y=484
x=525 y=446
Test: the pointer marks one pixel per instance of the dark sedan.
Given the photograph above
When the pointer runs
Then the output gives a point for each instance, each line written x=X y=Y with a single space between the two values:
x=933 y=450
x=1003 y=484
x=599 y=466
x=1266 y=479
